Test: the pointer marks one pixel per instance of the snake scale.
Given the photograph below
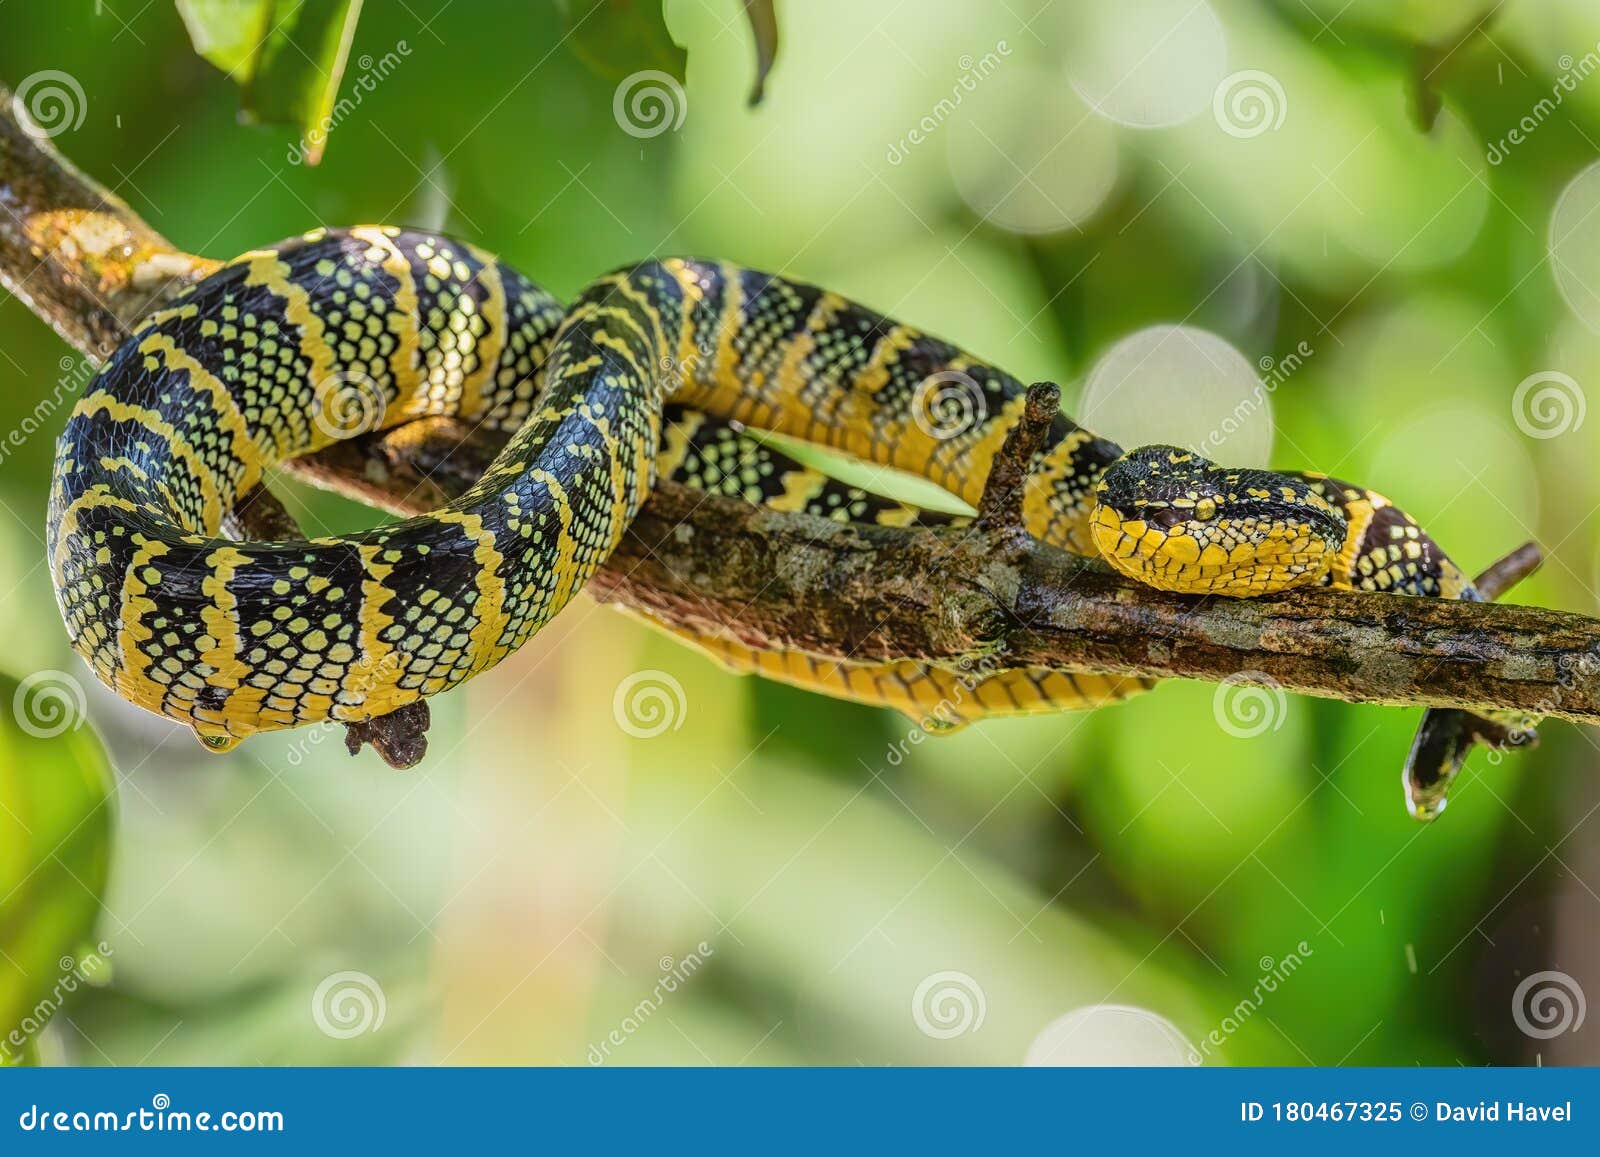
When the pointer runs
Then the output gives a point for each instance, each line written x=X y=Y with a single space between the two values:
x=656 y=369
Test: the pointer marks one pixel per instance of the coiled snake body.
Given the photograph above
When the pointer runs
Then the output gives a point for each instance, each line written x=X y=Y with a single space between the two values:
x=287 y=349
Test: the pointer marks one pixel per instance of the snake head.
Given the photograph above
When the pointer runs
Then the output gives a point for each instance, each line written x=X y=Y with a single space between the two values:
x=1179 y=522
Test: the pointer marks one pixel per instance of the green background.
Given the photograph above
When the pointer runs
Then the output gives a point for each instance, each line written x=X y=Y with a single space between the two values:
x=521 y=893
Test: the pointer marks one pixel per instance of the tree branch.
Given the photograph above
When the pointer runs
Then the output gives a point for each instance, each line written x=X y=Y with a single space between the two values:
x=86 y=264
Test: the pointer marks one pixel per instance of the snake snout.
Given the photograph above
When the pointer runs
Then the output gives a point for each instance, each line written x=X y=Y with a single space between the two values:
x=1179 y=522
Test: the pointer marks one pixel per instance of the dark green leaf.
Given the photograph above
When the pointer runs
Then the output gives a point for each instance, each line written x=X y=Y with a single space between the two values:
x=287 y=55
x=618 y=38
x=226 y=32
x=764 y=23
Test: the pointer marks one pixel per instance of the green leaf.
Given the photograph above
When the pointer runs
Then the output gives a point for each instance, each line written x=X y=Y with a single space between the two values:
x=287 y=55
x=617 y=38
x=55 y=852
x=226 y=32
x=764 y=23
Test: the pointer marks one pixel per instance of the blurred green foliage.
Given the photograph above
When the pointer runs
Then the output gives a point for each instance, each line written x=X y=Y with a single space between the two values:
x=55 y=851
x=520 y=895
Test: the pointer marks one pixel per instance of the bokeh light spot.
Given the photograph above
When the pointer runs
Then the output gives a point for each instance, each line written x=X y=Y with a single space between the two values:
x=1146 y=63
x=1027 y=156
x=1185 y=386
x=1575 y=246
x=1111 y=1034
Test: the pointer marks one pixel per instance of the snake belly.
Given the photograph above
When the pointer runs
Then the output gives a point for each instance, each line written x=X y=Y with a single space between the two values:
x=338 y=332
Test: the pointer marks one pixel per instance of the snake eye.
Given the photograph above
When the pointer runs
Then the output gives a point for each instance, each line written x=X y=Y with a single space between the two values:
x=1205 y=509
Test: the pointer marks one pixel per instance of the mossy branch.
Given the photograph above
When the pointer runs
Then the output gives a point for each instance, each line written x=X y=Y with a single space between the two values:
x=90 y=267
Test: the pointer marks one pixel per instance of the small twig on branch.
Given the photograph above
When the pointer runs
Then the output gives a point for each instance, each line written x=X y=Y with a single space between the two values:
x=259 y=513
x=1000 y=508
x=1503 y=574
x=718 y=565
x=400 y=738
